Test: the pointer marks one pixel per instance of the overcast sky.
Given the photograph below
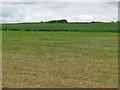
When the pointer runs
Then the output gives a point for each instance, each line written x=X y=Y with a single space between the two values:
x=73 y=11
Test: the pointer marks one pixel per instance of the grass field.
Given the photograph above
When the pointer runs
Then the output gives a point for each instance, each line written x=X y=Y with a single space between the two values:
x=60 y=59
x=83 y=27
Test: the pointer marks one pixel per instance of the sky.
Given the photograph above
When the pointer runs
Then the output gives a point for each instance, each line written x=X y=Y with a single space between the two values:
x=16 y=11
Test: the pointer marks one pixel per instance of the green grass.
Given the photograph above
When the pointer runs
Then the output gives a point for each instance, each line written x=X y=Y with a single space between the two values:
x=83 y=27
x=60 y=59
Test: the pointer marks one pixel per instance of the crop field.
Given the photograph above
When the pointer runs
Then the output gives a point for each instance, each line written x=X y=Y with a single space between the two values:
x=83 y=27
x=59 y=59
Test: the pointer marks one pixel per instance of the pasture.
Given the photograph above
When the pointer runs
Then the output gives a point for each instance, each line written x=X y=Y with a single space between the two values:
x=59 y=59
x=81 y=27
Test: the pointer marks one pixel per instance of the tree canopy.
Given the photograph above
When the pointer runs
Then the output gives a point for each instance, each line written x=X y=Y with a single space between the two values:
x=57 y=21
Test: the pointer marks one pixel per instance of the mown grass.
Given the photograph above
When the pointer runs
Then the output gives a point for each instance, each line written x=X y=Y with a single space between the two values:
x=60 y=59
x=82 y=27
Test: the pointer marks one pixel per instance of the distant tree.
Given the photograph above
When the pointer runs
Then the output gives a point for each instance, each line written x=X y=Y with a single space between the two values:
x=96 y=22
x=57 y=21
x=63 y=21
x=117 y=21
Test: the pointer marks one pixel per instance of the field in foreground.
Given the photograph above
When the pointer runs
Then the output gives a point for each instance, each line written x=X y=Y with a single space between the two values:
x=59 y=59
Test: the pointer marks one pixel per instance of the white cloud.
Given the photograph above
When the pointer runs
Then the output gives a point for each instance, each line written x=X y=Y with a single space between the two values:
x=60 y=0
x=35 y=17
x=29 y=12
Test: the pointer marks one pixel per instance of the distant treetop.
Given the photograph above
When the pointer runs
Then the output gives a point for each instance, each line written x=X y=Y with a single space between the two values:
x=58 y=21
